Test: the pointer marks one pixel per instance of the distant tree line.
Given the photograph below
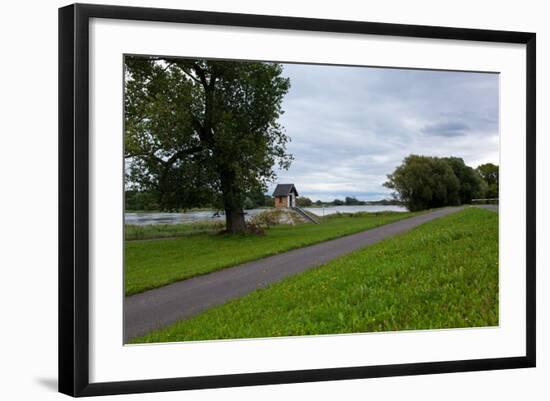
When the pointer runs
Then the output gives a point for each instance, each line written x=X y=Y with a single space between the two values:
x=348 y=201
x=257 y=199
x=141 y=200
x=137 y=200
x=304 y=201
x=147 y=200
x=423 y=182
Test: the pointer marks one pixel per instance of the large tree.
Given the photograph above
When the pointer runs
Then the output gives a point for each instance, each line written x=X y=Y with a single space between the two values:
x=423 y=182
x=203 y=132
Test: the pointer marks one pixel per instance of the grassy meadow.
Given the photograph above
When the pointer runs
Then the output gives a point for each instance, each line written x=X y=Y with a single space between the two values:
x=157 y=262
x=442 y=274
x=157 y=231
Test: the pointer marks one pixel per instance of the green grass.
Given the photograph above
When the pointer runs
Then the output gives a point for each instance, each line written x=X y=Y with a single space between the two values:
x=155 y=231
x=152 y=264
x=443 y=274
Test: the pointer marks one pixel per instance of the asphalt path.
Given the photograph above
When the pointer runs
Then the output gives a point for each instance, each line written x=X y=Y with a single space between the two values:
x=181 y=300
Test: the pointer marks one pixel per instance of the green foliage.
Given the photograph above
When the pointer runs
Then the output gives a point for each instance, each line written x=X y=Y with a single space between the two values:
x=489 y=172
x=257 y=199
x=472 y=185
x=353 y=201
x=443 y=274
x=303 y=201
x=248 y=203
x=151 y=264
x=140 y=200
x=202 y=131
x=423 y=182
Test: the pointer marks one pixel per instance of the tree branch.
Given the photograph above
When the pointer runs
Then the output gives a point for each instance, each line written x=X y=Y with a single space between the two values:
x=190 y=75
x=183 y=152
x=202 y=75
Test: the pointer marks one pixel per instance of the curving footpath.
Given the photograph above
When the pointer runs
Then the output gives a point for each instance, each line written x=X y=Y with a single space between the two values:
x=159 y=307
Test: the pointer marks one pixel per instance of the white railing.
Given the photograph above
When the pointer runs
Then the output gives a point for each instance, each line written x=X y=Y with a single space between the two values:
x=306 y=214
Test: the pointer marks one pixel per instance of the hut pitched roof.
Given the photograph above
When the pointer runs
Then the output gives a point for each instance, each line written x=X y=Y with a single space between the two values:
x=284 y=190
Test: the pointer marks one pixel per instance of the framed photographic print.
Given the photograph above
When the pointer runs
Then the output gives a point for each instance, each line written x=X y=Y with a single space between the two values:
x=249 y=199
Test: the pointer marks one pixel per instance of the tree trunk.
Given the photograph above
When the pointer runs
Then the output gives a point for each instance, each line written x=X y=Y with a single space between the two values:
x=234 y=220
x=234 y=215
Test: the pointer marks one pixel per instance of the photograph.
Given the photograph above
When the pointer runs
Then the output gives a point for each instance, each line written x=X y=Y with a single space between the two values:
x=275 y=199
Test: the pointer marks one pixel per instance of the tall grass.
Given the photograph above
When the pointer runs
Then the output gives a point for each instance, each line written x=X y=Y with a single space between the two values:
x=155 y=231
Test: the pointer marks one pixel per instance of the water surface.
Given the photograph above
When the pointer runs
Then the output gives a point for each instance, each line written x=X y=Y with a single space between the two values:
x=145 y=218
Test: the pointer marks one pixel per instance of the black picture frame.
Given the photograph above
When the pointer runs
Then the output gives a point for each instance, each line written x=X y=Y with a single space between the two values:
x=74 y=198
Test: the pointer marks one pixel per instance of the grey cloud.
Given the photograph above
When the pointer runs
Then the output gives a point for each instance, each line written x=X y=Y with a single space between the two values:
x=351 y=126
x=446 y=129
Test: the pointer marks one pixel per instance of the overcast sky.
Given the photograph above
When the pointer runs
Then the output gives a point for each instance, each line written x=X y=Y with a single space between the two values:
x=351 y=126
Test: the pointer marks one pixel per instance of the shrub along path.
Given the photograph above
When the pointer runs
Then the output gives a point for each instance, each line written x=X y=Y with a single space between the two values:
x=159 y=307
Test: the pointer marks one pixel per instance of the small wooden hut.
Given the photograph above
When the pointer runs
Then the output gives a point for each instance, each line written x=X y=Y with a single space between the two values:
x=285 y=196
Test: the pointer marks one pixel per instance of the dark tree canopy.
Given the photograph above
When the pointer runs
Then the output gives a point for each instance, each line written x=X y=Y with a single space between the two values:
x=489 y=172
x=472 y=185
x=353 y=201
x=423 y=182
x=303 y=201
x=140 y=200
x=203 y=132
